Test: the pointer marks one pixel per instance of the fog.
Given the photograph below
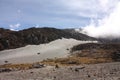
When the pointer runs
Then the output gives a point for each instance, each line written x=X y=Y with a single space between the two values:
x=107 y=26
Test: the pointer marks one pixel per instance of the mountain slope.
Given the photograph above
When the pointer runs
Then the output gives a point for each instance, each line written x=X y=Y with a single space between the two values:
x=14 y=39
x=35 y=53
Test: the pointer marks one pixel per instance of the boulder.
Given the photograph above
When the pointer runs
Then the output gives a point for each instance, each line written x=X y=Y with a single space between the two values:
x=38 y=65
x=5 y=70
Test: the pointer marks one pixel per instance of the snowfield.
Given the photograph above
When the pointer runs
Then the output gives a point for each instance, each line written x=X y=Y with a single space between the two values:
x=33 y=53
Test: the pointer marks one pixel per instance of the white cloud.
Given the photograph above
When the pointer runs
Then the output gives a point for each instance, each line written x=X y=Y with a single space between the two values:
x=108 y=26
x=103 y=3
x=91 y=8
x=37 y=26
x=14 y=26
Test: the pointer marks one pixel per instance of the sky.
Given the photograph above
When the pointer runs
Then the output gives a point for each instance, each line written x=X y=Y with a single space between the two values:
x=88 y=14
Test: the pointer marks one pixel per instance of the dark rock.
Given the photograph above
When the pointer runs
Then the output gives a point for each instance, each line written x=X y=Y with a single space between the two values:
x=54 y=77
x=116 y=56
x=88 y=75
x=76 y=69
x=79 y=68
x=31 y=72
x=5 y=70
x=38 y=53
x=37 y=65
x=67 y=49
x=56 y=66
x=6 y=62
x=72 y=62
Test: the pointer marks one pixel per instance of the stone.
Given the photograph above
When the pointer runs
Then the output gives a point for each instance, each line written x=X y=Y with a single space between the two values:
x=37 y=65
x=5 y=70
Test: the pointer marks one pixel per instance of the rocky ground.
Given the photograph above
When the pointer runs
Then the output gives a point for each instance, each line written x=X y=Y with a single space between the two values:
x=89 y=61
x=103 y=71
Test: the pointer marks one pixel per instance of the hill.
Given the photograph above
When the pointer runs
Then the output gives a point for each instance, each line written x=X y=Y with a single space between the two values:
x=34 y=36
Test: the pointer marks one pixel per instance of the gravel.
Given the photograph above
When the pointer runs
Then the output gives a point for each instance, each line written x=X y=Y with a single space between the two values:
x=103 y=71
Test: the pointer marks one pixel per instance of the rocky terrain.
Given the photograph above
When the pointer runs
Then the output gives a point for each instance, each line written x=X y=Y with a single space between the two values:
x=57 y=54
x=34 y=53
x=104 y=71
x=34 y=36
x=98 y=50
x=89 y=53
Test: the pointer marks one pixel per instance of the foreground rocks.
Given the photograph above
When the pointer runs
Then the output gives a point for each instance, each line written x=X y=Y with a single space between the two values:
x=104 y=71
x=5 y=70
x=17 y=67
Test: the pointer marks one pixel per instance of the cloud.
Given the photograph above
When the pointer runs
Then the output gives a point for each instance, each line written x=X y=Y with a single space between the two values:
x=14 y=27
x=37 y=26
x=57 y=13
x=91 y=8
x=108 y=26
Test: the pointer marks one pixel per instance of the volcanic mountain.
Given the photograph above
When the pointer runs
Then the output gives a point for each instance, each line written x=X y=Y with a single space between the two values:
x=34 y=36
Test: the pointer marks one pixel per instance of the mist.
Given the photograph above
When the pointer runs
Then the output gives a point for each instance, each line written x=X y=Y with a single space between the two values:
x=108 y=26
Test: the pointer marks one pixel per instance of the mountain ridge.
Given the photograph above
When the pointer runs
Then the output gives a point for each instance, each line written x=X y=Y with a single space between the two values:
x=34 y=36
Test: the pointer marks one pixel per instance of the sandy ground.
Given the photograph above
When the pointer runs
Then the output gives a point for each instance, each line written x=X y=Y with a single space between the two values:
x=57 y=48
x=104 y=71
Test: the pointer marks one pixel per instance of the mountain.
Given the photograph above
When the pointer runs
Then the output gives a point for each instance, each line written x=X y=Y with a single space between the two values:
x=34 y=36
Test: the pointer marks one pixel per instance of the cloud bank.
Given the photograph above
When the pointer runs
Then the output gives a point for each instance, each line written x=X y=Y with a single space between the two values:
x=107 y=26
